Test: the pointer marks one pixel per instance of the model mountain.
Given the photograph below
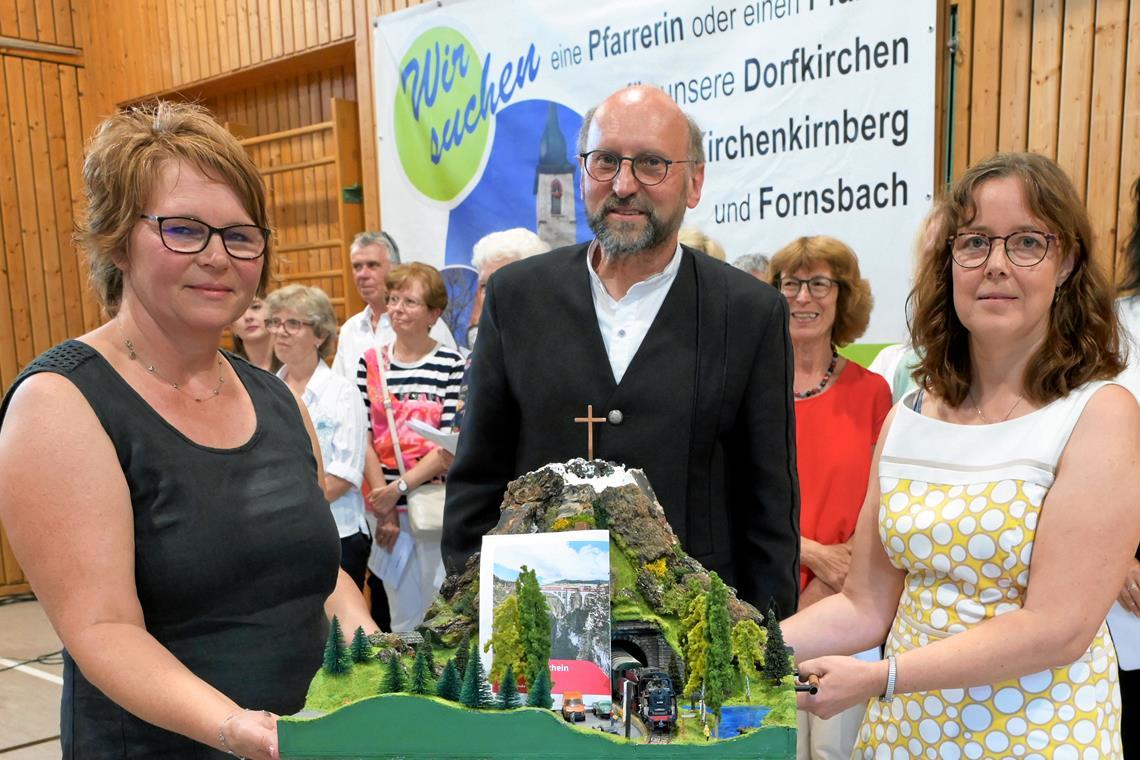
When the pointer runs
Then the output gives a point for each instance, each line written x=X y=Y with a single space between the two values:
x=652 y=577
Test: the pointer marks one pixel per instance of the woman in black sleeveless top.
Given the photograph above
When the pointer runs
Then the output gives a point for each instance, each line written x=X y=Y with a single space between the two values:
x=164 y=497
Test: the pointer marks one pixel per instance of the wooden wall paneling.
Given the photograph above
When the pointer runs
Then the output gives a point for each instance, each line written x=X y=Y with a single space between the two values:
x=247 y=35
x=963 y=63
x=26 y=20
x=1110 y=47
x=76 y=130
x=28 y=249
x=1045 y=73
x=179 y=59
x=1016 y=49
x=64 y=27
x=986 y=80
x=312 y=23
x=272 y=41
x=365 y=100
x=12 y=291
x=63 y=288
x=45 y=23
x=288 y=41
x=1076 y=92
x=212 y=38
x=1130 y=141
x=350 y=216
x=44 y=291
x=9 y=20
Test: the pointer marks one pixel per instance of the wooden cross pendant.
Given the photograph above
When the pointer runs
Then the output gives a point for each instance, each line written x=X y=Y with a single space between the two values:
x=589 y=419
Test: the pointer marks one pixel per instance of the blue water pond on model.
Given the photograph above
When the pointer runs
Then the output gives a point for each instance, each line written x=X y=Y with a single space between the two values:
x=736 y=717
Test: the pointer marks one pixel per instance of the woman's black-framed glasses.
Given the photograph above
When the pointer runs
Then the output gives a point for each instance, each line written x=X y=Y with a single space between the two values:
x=818 y=287
x=971 y=250
x=287 y=326
x=185 y=234
x=648 y=169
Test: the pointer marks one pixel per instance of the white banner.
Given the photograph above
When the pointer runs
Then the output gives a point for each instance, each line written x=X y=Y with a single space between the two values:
x=818 y=118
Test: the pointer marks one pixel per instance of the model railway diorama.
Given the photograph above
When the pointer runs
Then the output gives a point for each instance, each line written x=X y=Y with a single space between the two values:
x=628 y=647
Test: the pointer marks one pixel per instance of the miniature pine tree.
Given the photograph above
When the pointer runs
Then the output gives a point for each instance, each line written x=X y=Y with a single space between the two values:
x=776 y=664
x=395 y=679
x=539 y=694
x=475 y=690
x=361 y=650
x=675 y=673
x=429 y=653
x=719 y=673
x=337 y=659
x=461 y=654
x=509 y=689
x=448 y=685
x=421 y=676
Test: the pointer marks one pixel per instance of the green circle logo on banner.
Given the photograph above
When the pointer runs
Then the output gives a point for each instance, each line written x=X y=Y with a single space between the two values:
x=441 y=124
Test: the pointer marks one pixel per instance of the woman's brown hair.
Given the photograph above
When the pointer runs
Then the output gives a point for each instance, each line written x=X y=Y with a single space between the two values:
x=1082 y=342
x=435 y=292
x=853 y=307
x=124 y=159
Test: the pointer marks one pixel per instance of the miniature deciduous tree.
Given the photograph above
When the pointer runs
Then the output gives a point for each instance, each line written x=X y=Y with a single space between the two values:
x=534 y=625
x=421 y=676
x=718 y=667
x=337 y=659
x=505 y=638
x=539 y=693
x=449 y=684
x=746 y=641
x=776 y=664
x=476 y=692
x=361 y=650
x=394 y=679
x=695 y=625
x=509 y=689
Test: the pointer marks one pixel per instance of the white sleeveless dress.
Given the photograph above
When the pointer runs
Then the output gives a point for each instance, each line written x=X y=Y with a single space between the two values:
x=958 y=512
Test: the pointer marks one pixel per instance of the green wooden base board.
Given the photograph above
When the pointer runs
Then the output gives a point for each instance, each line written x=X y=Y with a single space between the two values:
x=400 y=726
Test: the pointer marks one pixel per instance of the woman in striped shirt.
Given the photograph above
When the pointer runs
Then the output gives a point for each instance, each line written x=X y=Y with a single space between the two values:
x=423 y=379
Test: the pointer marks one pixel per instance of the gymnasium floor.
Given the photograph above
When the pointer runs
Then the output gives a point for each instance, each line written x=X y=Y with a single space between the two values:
x=29 y=694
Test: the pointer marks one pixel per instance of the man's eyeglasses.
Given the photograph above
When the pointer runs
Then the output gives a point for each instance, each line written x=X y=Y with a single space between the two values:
x=648 y=169
x=1023 y=249
x=185 y=234
x=286 y=326
x=818 y=287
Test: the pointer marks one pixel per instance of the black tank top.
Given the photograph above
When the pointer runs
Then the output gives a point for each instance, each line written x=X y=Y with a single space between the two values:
x=235 y=553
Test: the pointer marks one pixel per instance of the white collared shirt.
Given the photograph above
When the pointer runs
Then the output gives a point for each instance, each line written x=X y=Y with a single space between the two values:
x=357 y=336
x=338 y=415
x=624 y=323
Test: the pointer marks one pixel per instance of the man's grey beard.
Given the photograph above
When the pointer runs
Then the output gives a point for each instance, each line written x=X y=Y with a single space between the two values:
x=620 y=238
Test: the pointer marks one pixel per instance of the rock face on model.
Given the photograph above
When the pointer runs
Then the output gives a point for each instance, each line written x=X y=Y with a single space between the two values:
x=655 y=575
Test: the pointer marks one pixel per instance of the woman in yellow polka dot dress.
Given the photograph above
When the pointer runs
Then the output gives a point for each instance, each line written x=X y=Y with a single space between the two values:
x=999 y=518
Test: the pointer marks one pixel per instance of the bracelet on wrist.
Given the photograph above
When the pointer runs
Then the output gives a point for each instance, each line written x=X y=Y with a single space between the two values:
x=892 y=673
x=222 y=736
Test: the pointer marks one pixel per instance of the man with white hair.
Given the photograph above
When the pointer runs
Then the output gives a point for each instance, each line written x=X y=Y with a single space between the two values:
x=372 y=255
x=493 y=252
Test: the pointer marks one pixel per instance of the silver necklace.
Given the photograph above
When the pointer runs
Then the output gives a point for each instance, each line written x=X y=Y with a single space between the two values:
x=150 y=368
x=978 y=409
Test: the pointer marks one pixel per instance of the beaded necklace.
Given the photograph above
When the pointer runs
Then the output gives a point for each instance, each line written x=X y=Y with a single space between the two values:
x=826 y=378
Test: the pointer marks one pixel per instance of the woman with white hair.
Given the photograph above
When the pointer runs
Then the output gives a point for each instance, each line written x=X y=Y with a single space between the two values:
x=493 y=252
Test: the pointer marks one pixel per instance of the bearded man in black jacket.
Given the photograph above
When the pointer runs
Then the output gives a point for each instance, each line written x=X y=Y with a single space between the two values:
x=686 y=359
